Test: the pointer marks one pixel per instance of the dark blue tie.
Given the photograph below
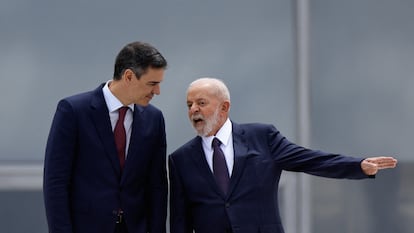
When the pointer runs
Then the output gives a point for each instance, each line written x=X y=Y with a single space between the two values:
x=220 y=167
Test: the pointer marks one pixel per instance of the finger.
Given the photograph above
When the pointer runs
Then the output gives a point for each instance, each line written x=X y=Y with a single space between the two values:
x=383 y=161
x=386 y=165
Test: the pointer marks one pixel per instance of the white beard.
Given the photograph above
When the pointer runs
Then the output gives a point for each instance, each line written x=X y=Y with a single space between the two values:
x=209 y=123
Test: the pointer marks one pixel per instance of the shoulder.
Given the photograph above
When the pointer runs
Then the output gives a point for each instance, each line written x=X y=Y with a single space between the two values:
x=255 y=131
x=83 y=98
x=150 y=112
x=187 y=148
x=254 y=127
x=150 y=109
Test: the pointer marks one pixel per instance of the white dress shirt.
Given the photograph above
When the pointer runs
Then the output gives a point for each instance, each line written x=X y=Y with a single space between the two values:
x=226 y=138
x=113 y=105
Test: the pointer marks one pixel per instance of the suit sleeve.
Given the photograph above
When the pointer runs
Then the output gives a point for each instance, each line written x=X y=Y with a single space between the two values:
x=296 y=158
x=59 y=155
x=179 y=211
x=158 y=185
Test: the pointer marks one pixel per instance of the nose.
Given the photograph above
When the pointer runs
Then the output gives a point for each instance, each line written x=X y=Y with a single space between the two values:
x=156 y=90
x=193 y=109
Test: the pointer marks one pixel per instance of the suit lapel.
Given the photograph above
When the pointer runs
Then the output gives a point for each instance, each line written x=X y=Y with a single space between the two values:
x=135 y=142
x=199 y=159
x=240 y=147
x=100 y=116
x=240 y=155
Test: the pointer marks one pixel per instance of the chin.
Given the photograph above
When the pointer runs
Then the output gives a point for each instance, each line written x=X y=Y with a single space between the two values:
x=199 y=131
x=202 y=134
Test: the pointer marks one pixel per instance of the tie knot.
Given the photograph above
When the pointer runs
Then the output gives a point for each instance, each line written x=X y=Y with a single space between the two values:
x=122 y=111
x=216 y=143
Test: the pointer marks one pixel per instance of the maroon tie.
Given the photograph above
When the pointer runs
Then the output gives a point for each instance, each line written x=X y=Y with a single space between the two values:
x=219 y=166
x=120 y=135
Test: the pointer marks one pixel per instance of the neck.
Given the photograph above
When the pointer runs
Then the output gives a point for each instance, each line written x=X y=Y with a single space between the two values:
x=116 y=89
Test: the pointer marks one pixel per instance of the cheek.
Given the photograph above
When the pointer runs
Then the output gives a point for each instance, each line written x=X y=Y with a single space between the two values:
x=208 y=112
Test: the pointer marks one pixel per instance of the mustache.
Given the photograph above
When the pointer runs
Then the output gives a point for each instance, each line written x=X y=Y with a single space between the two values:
x=197 y=117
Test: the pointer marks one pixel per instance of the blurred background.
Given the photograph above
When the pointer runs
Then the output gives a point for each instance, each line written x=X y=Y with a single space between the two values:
x=357 y=58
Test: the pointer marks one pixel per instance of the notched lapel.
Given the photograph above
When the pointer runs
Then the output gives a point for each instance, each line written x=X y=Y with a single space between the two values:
x=199 y=158
x=100 y=116
x=241 y=155
x=135 y=142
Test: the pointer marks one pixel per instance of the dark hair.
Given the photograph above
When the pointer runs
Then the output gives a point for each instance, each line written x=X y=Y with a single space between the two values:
x=138 y=56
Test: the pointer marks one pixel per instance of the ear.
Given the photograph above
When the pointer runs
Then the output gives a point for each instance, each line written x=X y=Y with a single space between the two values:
x=225 y=106
x=128 y=75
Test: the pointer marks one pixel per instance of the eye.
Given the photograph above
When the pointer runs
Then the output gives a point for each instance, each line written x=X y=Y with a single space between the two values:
x=152 y=84
x=202 y=103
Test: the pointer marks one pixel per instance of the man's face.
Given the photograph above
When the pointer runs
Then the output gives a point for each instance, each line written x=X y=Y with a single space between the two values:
x=142 y=90
x=203 y=110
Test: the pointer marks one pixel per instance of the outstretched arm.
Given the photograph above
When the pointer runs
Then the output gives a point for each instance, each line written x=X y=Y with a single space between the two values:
x=370 y=166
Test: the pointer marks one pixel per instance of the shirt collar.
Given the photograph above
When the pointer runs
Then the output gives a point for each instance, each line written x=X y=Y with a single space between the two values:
x=112 y=102
x=223 y=135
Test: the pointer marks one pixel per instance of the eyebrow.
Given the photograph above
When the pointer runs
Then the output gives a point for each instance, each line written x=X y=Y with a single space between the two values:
x=153 y=82
x=197 y=100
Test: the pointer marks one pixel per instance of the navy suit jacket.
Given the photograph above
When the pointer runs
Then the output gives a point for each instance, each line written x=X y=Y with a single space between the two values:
x=250 y=206
x=83 y=184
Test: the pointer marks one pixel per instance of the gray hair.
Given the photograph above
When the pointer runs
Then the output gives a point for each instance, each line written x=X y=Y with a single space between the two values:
x=219 y=88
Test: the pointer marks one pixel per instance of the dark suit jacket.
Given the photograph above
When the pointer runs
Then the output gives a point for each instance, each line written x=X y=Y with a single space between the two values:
x=250 y=206
x=83 y=184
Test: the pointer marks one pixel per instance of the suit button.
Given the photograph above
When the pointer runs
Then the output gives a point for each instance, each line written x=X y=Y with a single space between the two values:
x=227 y=205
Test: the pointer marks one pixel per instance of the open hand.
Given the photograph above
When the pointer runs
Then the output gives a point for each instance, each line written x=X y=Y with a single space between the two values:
x=370 y=166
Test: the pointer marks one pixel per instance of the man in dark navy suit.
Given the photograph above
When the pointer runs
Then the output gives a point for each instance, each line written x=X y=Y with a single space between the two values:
x=230 y=187
x=95 y=181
